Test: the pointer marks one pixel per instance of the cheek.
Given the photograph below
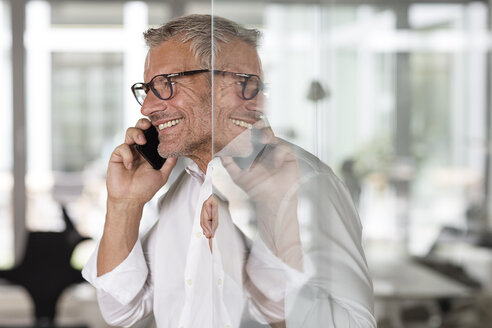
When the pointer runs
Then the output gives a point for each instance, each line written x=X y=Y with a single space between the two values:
x=205 y=122
x=181 y=103
x=227 y=98
x=202 y=120
x=198 y=111
x=220 y=114
x=226 y=106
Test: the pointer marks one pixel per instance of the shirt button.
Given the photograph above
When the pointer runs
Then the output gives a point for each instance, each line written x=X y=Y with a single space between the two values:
x=189 y=282
x=227 y=326
x=198 y=235
x=219 y=281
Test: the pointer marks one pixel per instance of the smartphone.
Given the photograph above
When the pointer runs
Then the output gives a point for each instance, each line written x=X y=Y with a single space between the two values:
x=245 y=162
x=149 y=150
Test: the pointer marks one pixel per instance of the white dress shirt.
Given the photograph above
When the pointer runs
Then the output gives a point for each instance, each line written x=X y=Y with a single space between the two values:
x=173 y=273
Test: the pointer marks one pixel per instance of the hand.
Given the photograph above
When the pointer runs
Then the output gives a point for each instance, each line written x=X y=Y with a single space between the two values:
x=272 y=183
x=270 y=176
x=130 y=178
x=273 y=171
x=209 y=218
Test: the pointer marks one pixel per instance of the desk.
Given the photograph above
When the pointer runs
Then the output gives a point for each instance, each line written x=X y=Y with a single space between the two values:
x=398 y=282
x=407 y=279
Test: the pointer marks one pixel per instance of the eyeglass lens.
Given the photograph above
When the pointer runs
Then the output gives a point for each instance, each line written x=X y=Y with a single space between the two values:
x=251 y=87
x=162 y=86
x=139 y=92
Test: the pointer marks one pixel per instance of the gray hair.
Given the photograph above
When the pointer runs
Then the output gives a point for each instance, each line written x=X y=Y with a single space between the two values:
x=197 y=29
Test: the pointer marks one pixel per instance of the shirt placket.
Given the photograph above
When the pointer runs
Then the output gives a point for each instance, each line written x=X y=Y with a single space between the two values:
x=194 y=250
x=218 y=270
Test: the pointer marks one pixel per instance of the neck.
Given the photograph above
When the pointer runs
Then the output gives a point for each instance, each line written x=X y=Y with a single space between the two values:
x=202 y=161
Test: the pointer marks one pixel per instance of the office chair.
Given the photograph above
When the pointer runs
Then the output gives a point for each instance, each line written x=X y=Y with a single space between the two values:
x=45 y=270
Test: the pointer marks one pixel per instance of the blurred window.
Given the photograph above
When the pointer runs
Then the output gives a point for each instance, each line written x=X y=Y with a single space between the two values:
x=86 y=106
x=399 y=91
x=449 y=91
x=82 y=58
x=87 y=13
x=6 y=178
x=335 y=75
x=159 y=12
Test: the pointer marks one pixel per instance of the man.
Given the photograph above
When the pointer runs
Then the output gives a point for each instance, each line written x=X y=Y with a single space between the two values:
x=195 y=268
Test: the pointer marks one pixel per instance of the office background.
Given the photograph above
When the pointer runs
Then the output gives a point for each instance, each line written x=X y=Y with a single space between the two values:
x=394 y=95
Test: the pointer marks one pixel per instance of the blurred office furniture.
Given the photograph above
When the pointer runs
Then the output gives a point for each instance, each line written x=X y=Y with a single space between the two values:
x=450 y=286
x=316 y=92
x=410 y=291
x=45 y=270
x=352 y=181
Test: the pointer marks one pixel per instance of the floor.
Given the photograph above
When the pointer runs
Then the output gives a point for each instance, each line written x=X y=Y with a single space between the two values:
x=78 y=307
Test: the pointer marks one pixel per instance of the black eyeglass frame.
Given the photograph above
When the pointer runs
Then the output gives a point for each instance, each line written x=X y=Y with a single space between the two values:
x=150 y=85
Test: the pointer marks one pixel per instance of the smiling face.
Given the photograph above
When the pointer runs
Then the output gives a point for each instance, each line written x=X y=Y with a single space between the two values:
x=185 y=120
x=232 y=114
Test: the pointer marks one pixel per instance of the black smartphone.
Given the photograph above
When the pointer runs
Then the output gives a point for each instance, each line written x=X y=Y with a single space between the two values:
x=149 y=150
x=245 y=162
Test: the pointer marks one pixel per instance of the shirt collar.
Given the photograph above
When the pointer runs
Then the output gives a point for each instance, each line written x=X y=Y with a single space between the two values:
x=197 y=174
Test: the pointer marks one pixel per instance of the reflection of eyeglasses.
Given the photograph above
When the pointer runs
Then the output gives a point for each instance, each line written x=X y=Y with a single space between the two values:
x=162 y=85
x=251 y=83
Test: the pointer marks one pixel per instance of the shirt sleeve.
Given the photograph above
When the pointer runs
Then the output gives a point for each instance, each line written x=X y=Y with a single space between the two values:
x=333 y=288
x=124 y=294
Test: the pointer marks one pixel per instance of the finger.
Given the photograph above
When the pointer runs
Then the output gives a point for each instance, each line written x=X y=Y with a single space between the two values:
x=261 y=121
x=232 y=168
x=205 y=218
x=210 y=245
x=135 y=136
x=211 y=209
x=143 y=124
x=267 y=136
x=283 y=154
x=205 y=229
x=123 y=154
x=278 y=155
x=215 y=216
x=209 y=217
x=169 y=165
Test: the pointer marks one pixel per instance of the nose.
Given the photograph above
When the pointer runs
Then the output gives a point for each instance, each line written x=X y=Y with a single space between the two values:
x=257 y=103
x=152 y=104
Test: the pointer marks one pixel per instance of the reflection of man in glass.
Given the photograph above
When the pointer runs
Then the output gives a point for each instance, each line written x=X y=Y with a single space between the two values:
x=203 y=107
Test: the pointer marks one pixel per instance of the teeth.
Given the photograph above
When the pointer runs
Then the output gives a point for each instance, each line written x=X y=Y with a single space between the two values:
x=168 y=124
x=242 y=124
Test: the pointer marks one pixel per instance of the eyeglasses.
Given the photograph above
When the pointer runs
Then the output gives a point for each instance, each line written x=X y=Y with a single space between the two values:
x=251 y=84
x=162 y=84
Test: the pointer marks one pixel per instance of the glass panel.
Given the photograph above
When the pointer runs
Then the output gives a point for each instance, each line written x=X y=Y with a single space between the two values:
x=6 y=179
x=159 y=12
x=298 y=252
x=79 y=104
x=391 y=99
x=198 y=7
x=80 y=13
x=81 y=61
x=394 y=100
x=87 y=102
x=449 y=134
